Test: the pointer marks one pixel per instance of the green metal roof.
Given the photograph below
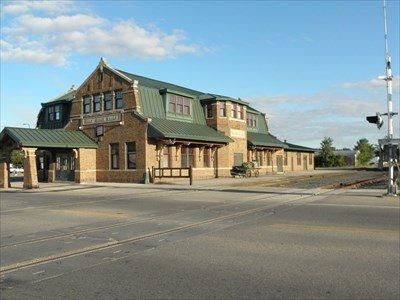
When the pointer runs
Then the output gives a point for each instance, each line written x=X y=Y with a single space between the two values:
x=153 y=106
x=51 y=138
x=170 y=129
x=159 y=85
x=65 y=97
x=299 y=148
x=207 y=97
x=264 y=140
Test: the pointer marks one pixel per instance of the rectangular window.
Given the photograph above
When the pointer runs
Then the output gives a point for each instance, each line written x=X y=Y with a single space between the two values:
x=285 y=160
x=178 y=105
x=86 y=105
x=237 y=159
x=50 y=111
x=96 y=103
x=131 y=155
x=206 y=157
x=240 y=112
x=107 y=101
x=310 y=159
x=57 y=113
x=119 y=102
x=222 y=109
x=186 y=107
x=298 y=158
x=114 y=154
x=165 y=157
x=234 y=112
x=172 y=104
x=251 y=121
x=209 y=113
x=187 y=157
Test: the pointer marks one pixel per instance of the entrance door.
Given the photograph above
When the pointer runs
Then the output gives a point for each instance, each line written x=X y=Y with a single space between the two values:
x=292 y=163
x=279 y=163
x=305 y=167
x=65 y=167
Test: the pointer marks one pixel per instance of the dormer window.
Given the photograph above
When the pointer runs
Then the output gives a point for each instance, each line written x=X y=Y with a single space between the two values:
x=57 y=112
x=51 y=113
x=251 y=121
x=179 y=105
x=209 y=112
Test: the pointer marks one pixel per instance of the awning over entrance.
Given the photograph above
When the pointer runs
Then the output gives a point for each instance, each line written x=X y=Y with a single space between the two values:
x=46 y=138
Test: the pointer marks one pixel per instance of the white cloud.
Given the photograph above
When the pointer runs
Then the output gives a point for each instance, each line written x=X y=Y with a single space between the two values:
x=20 y=7
x=373 y=84
x=54 y=39
x=307 y=119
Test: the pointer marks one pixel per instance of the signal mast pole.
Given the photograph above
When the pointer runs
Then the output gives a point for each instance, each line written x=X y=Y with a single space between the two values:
x=388 y=78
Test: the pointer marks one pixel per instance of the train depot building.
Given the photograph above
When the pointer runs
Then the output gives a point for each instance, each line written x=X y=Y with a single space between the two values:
x=119 y=127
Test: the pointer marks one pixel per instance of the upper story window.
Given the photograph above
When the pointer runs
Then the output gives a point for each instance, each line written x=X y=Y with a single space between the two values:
x=86 y=105
x=57 y=112
x=240 y=112
x=209 y=112
x=96 y=103
x=234 y=112
x=50 y=112
x=119 y=103
x=251 y=121
x=222 y=109
x=178 y=105
x=107 y=101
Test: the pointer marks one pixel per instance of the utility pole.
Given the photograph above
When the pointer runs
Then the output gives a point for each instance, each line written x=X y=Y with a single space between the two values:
x=391 y=146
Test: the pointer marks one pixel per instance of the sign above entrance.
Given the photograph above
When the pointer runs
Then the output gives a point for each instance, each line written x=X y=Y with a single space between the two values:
x=102 y=119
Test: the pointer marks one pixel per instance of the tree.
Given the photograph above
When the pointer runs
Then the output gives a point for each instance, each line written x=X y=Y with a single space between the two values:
x=327 y=157
x=365 y=151
x=17 y=158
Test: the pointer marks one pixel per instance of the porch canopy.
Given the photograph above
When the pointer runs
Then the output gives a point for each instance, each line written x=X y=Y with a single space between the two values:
x=264 y=140
x=29 y=140
x=13 y=137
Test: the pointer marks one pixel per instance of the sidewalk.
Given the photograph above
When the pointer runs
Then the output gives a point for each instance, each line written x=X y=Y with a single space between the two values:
x=166 y=183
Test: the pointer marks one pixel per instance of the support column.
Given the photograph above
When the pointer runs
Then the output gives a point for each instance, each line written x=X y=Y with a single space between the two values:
x=30 y=169
x=51 y=175
x=4 y=178
x=196 y=157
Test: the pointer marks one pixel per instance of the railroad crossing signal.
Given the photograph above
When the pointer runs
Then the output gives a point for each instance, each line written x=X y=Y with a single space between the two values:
x=377 y=119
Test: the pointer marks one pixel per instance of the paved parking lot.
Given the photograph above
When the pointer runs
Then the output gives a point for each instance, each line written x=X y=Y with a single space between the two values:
x=169 y=241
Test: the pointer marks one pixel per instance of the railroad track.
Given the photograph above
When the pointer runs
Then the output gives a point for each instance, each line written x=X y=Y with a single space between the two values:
x=41 y=260
x=123 y=224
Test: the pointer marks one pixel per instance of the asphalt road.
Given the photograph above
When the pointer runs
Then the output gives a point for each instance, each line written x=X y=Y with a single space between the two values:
x=174 y=242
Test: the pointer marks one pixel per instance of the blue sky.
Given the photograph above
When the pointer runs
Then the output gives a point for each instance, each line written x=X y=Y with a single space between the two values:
x=311 y=66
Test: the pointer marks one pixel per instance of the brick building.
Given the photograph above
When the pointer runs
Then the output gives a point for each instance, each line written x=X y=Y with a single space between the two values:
x=116 y=126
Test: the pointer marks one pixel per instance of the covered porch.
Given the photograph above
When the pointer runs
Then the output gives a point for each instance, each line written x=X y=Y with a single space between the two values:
x=49 y=156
